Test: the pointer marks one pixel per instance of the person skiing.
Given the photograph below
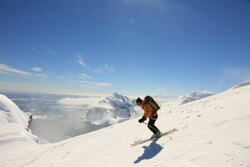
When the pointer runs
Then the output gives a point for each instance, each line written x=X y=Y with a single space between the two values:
x=151 y=113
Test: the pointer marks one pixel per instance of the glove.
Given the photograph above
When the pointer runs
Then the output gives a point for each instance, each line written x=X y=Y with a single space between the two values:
x=142 y=120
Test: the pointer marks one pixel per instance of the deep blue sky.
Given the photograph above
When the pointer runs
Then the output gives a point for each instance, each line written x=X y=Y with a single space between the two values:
x=129 y=46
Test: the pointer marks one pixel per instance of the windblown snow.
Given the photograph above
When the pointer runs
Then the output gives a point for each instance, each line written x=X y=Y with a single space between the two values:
x=213 y=131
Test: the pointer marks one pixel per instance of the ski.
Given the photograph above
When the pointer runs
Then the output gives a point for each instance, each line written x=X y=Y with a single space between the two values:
x=151 y=139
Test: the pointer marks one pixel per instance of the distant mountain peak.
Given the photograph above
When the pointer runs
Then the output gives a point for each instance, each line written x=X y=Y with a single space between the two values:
x=196 y=95
x=110 y=110
x=242 y=84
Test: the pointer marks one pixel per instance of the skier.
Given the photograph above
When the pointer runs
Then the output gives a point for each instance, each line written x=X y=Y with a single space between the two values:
x=151 y=113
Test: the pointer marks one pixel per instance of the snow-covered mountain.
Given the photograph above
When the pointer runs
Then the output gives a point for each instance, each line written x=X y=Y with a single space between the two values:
x=13 y=123
x=245 y=83
x=10 y=113
x=111 y=110
x=213 y=131
x=195 y=96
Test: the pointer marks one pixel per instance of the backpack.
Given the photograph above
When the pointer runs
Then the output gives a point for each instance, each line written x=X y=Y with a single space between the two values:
x=149 y=100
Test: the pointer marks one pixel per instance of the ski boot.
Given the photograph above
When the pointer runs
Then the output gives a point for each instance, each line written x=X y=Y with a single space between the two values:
x=156 y=135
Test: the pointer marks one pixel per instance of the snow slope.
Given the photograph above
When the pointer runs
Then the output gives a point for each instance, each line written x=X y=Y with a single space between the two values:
x=213 y=131
x=10 y=113
x=13 y=123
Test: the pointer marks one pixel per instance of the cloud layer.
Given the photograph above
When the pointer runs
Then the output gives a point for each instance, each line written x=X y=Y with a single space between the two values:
x=36 y=69
x=4 y=69
x=100 y=69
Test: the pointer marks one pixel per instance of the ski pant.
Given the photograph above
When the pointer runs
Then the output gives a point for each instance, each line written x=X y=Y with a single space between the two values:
x=151 y=125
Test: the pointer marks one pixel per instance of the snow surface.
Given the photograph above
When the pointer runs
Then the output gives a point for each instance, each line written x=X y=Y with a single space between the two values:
x=10 y=112
x=13 y=123
x=213 y=132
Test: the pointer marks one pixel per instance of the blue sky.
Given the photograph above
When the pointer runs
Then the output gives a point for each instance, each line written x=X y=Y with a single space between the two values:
x=128 y=46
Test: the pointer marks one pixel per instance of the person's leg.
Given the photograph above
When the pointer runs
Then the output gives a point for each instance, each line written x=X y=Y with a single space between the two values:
x=152 y=127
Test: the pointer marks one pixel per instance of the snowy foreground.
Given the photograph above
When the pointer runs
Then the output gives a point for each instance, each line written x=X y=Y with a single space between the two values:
x=213 y=132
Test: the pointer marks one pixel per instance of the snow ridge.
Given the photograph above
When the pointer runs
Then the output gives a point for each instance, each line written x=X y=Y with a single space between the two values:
x=10 y=112
x=14 y=123
x=242 y=84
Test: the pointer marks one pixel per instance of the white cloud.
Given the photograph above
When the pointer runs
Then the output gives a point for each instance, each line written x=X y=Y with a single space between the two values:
x=84 y=76
x=62 y=77
x=51 y=51
x=21 y=87
x=4 y=69
x=38 y=74
x=108 y=68
x=102 y=84
x=80 y=60
x=105 y=68
x=94 y=85
x=98 y=70
x=83 y=83
x=35 y=88
x=36 y=69
x=101 y=69
x=3 y=72
x=91 y=101
x=42 y=75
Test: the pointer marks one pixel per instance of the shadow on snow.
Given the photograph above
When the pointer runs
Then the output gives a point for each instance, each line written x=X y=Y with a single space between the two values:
x=150 y=151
